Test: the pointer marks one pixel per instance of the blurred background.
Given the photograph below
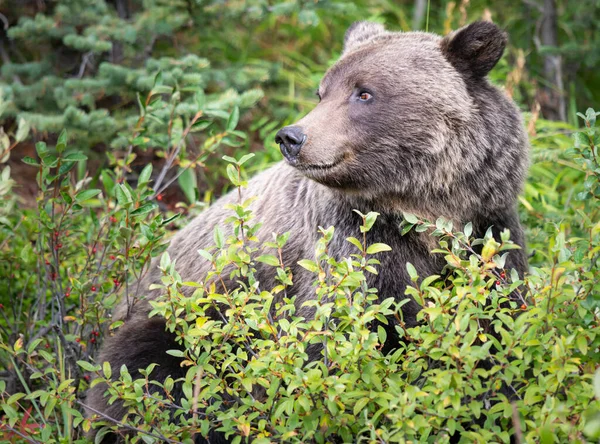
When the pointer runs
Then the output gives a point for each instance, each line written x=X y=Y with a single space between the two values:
x=89 y=65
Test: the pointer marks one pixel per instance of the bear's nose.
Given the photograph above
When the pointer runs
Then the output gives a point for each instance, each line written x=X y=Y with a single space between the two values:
x=290 y=140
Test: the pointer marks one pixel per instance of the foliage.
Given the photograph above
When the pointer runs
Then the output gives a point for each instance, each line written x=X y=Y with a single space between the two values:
x=487 y=359
x=160 y=92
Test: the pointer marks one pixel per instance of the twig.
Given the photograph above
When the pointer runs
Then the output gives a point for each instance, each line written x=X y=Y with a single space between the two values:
x=25 y=437
x=69 y=353
x=196 y=393
x=172 y=405
x=84 y=62
x=174 y=153
x=4 y=21
x=126 y=426
x=41 y=332
x=179 y=173
x=516 y=424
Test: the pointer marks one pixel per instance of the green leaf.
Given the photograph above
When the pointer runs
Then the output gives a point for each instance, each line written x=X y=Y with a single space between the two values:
x=66 y=167
x=200 y=125
x=370 y=219
x=200 y=99
x=14 y=398
x=412 y=271
x=144 y=209
x=360 y=405
x=87 y=366
x=170 y=219
x=86 y=195
x=41 y=149
x=546 y=435
x=107 y=181
x=426 y=282
x=106 y=369
x=582 y=344
x=232 y=174
x=219 y=237
x=468 y=230
x=354 y=241
x=140 y=141
x=141 y=104
x=309 y=265
x=590 y=116
x=410 y=218
x=233 y=119
x=61 y=144
x=161 y=89
x=377 y=248
x=50 y=160
x=145 y=175
x=158 y=78
x=30 y=161
x=245 y=158
x=268 y=259
x=75 y=157
x=206 y=255
x=165 y=260
x=27 y=254
x=66 y=197
x=597 y=384
x=580 y=140
x=382 y=334
x=123 y=195
x=176 y=353
x=4 y=147
x=22 y=130
x=188 y=183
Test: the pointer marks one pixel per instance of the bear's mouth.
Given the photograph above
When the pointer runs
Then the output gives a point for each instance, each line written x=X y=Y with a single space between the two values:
x=318 y=167
x=309 y=167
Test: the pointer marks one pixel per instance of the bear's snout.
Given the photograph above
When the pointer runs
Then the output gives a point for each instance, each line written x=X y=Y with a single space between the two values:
x=290 y=140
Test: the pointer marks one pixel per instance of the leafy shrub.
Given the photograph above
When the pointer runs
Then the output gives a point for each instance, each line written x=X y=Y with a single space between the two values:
x=492 y=355
x=67 y=261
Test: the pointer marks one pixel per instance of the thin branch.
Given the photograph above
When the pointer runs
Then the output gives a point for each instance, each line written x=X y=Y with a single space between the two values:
x=70 y=354
x=517 y=424
x=4 y=21
x=173 y=155
x=25 y=437
x=179 y=173
x=85 y=62
x=126 y=426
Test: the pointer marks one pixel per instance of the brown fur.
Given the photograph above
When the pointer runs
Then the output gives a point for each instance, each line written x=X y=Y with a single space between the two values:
x=436 y=140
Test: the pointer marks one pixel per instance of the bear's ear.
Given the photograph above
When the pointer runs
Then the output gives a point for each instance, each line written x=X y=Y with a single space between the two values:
x=475 y=49
x=360 y=32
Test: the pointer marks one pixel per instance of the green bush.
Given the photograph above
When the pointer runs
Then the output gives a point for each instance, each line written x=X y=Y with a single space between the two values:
x=481 y=363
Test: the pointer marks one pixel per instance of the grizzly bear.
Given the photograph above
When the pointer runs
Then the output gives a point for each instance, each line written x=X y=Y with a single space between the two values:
x=407 y=122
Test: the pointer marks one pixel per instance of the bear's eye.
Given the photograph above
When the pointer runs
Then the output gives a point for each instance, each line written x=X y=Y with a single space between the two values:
x=364 y=96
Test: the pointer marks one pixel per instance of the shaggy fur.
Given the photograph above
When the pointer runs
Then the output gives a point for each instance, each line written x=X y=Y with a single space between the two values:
x=434 y=138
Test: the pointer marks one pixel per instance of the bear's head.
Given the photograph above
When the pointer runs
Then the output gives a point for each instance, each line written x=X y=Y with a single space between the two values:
x=410 y=122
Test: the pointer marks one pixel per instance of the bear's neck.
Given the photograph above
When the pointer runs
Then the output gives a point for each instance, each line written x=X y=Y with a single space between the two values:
x=394 y=205
x=329 y=205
